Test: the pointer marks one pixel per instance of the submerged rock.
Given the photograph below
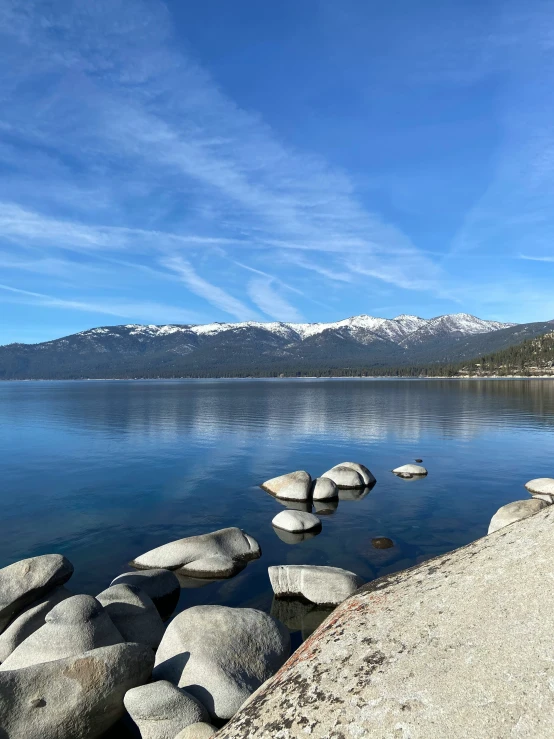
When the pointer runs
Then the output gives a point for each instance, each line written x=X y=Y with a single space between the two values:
x=413 y=470
x=345 y=477
x=322 y=585
x=25 y=581
x=221 y=655
x=161 y=709
x=162 y=586
x=459 y=647
x=78 y=697
x=29 y=620
x=221 y=553
x=324 y=489
x=292 y=486
x=515 y=511
x=296 y=521
x=76 y=625
x=133 y=614
x=382 y=542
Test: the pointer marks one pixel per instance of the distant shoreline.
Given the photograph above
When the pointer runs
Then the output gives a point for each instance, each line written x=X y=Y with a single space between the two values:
x=276 y=379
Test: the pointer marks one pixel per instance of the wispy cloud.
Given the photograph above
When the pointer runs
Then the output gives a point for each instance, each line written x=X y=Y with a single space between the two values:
x=264 y=295
x=536 y=259
x=206 y=290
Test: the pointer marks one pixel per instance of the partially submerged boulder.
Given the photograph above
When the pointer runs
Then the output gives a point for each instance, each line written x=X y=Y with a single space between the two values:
x=292 y=486
x=25 y=581
x=459 y=647
x=221 y=655
x=161 y=709
x=410 y=470
x=324 y=489
x=362 y=470
x=515 y=511
x=296 y=521
x=133 y=614
x=345 y=477
x=221 y=553
x=78 y=697
x=162 y=586
x=29 y=620
x=76 y=625
x=322 y=585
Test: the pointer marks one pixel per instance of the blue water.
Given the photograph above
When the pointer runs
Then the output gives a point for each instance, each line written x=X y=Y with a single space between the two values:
x=104 y=471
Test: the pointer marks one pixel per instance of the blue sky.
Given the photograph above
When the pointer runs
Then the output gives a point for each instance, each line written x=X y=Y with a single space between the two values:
x=187 y=162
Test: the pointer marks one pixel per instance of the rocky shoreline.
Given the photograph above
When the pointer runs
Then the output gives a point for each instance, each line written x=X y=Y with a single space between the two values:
x=458 y=646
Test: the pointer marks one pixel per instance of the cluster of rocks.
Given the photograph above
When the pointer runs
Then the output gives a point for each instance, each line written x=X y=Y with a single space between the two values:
x=73 y=666
x=542 y=495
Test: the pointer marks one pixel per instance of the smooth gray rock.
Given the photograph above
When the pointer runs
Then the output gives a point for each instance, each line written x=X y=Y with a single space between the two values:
x=29 y=620
x=162 y=586
x=324 y=489
x=344 y=477
x=29 y=579
x=414 y=470
x=292 y=486
x=542 y=488
x=76 y=625
x=221 y=553
x=221 y=655
x=133 y=614
x=515 y=511
x=459 y=647
x=78 y=697
x=296 y=521
x=197 y=731
x=362 y=470
x=161 y=709
x=322 y=585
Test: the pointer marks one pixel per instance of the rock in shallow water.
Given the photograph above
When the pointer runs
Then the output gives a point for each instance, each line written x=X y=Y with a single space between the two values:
x=362 y=470
x=414 y=470
x=29 y=620
x=162 y=586
x=221 y=655
x=161 y=709
x=27 y=580
x=345 y=477
x=77 y=697
x=76 y=625
x=221 y=553
x=382 y=542
x=133 y=614
x=296 y=521
x=292 y=486
x=324 y=489
x=322 y=585
x=515 y=511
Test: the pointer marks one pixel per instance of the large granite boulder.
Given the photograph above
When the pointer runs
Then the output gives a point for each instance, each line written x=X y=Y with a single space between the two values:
x=162 y=586
x=344 y=477
x=296 y=521
x=221 y=655
x=161 y=709
x=324 y=488
x=410 y=470
x=133 y=614
x=362 y=470
x=197 y=731
x=78 y=697
x=221 y=553
x=515 y=511
x=292 y=486
x=76 y=625
x=459 y=646
x=25 y=581
x=542 y=487
x=29 y=620
x=322 y=585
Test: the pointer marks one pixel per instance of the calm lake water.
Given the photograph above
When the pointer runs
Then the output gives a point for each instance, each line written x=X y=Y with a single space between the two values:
x=104 y=471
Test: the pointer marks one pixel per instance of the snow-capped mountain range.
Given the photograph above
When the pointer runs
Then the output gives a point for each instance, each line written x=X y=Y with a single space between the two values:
x=213 y=349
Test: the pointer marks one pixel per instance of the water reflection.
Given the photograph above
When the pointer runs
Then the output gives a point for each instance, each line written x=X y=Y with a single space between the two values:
x=295 y=505
x=290 y=537
x=326 y=507
x=355 y=493
x=299 y=615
